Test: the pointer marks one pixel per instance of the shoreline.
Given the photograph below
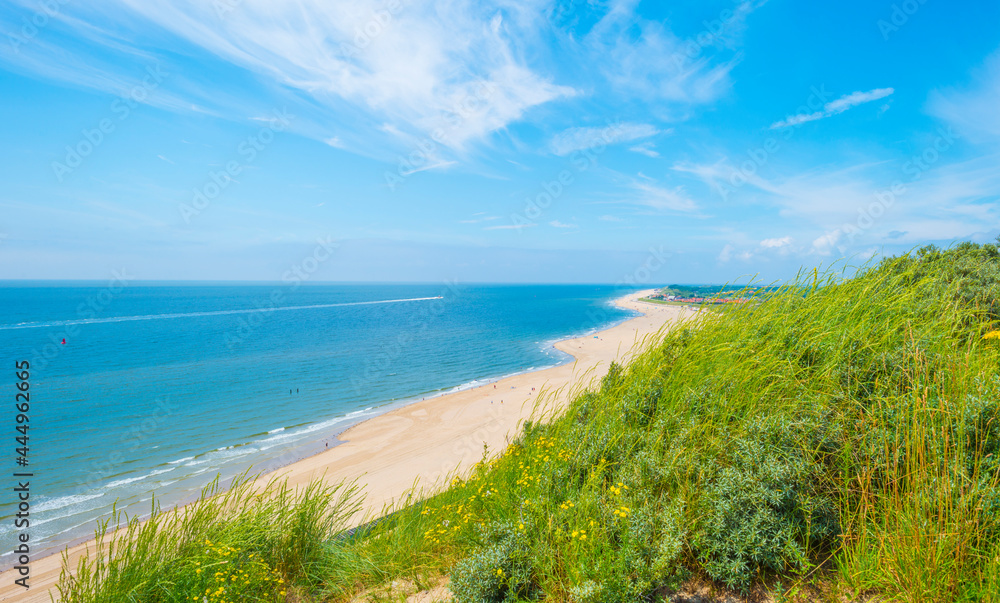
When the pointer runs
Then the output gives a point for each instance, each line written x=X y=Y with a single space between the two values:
x=413 y=447
x=302 y=450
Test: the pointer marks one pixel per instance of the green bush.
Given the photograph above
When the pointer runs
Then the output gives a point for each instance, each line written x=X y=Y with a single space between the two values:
x=766 y=509
x=498 y=571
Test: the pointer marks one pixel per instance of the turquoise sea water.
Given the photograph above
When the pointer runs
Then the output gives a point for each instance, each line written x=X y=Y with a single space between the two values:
x=159 y=388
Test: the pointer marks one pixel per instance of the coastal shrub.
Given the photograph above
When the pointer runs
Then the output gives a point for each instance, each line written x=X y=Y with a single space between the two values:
x=649 y=552
x=587 y=405
x=613 y=378
x=764 y=510
x=498 y=571
x=587 y=592
x=638 y=405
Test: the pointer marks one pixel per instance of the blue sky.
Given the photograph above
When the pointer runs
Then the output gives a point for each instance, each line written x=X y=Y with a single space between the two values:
x=504 y=141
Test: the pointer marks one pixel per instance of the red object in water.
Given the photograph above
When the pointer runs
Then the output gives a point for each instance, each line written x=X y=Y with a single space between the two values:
x=64 y=341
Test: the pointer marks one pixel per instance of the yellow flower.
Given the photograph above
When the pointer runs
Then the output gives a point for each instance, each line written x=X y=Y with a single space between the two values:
x=992 y=335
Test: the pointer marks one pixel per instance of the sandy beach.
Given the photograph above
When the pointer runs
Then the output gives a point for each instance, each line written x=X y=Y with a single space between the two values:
x=426 y=441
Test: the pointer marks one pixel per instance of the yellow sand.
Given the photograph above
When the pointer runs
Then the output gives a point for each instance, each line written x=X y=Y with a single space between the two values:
x=424 y=442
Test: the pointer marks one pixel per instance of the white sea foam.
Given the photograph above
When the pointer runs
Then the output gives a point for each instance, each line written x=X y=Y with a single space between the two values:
x=130 y=480
x=63 y=501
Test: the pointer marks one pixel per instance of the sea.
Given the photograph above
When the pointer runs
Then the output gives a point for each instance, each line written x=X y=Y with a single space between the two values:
x=144 y=393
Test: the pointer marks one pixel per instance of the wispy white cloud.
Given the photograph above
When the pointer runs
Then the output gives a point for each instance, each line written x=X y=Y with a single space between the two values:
x=726 y=254
x=646 y=59
x=826 y=242
x=646 y=149
x=558 y=224
x=776 y=243
x=577 y=139
x=663 y=199
x=382 y=81
x=973 y=109
x=834 y=107
x=352 y=63
x=434 y=166
x=512 y=226
x=729 y=252
x=844 y=209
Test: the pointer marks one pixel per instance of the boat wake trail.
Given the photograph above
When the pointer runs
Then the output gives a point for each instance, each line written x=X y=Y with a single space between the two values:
x=265 y=310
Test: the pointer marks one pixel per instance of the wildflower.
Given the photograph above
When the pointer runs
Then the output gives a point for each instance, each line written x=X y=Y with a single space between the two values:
x=992 y=335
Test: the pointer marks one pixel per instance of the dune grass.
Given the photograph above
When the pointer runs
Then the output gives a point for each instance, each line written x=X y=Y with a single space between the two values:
x=839 y=439
x=239 y=543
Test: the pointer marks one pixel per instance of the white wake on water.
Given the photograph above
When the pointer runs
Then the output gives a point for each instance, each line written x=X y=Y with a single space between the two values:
x=92 y=321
